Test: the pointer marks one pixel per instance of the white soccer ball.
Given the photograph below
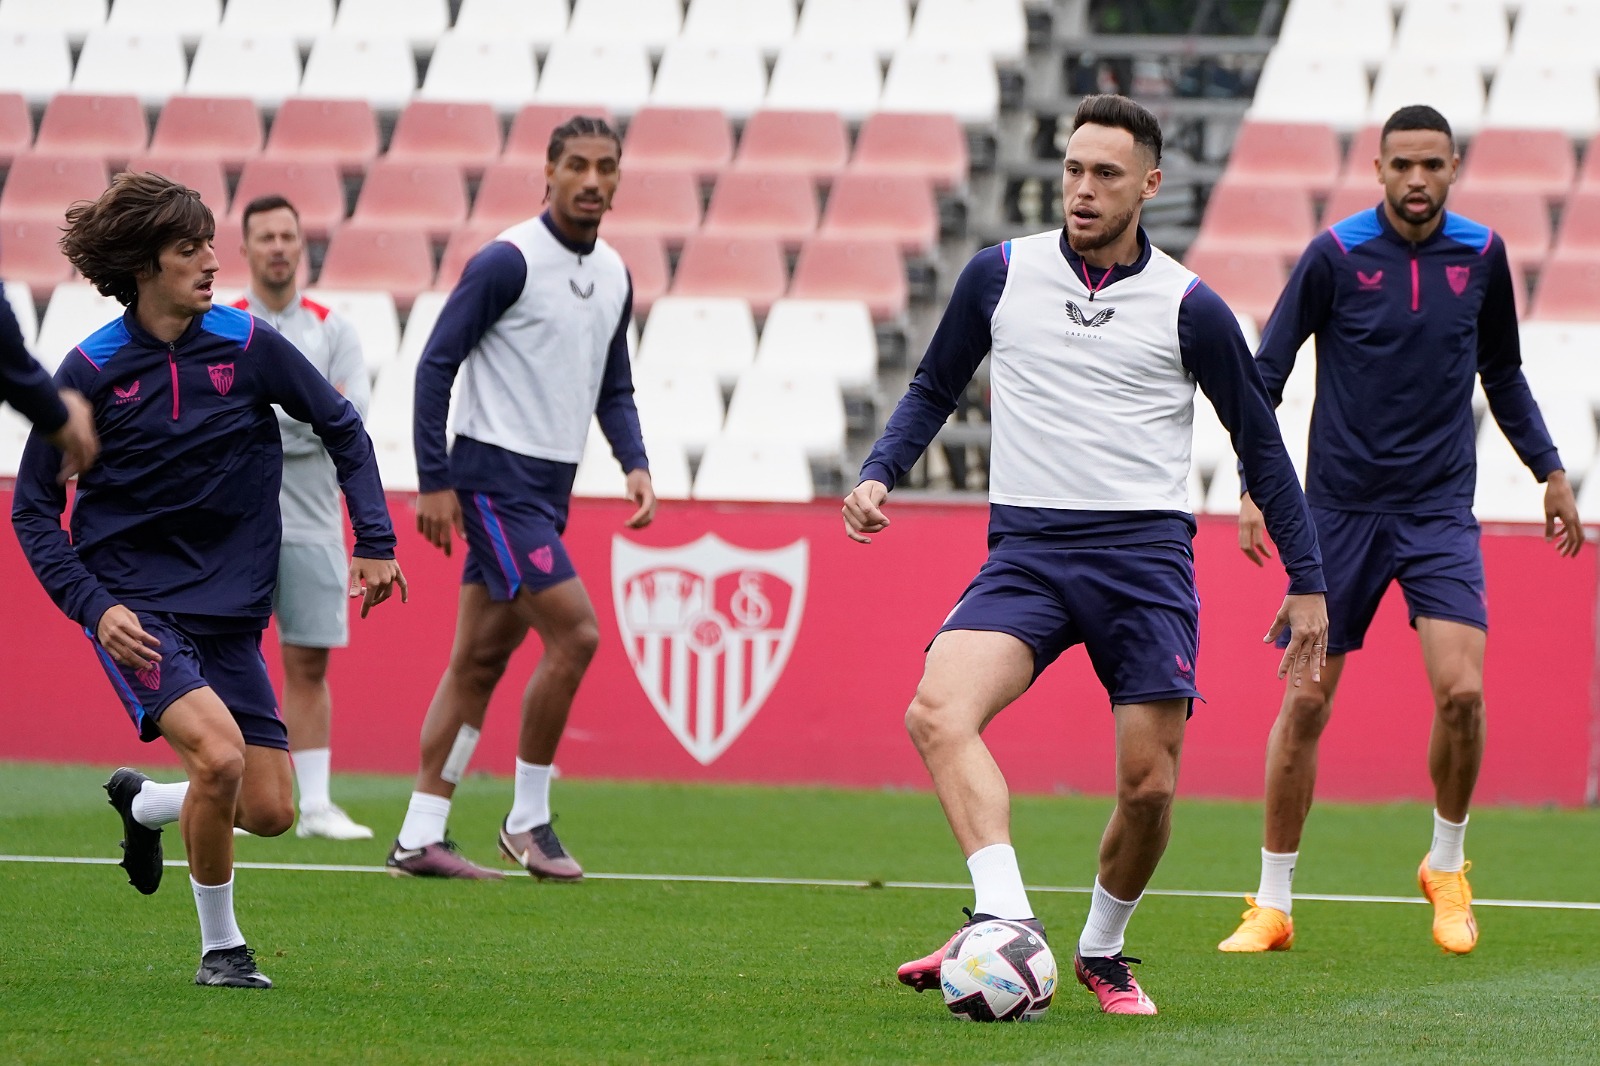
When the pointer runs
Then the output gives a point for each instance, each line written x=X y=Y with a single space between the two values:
x=998 y=971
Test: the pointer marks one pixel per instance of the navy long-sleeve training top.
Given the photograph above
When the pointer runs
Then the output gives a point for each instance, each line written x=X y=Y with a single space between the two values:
x=24 y=384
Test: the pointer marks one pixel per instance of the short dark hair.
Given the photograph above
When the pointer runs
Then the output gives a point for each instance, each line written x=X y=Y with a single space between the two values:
x=580 y=126
x=115 y=238
x=1119 y=112
x=261 y=205
x=1416 y=117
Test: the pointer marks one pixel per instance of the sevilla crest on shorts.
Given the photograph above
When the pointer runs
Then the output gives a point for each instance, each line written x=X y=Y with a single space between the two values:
x=708 y=627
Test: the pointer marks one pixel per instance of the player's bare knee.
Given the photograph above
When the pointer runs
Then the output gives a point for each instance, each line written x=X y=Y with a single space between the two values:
x=926 y=722
x=480 y=667
x=579 y=643
x=1460 y=709
x=1147 y=799
x=217 y=769
x=1306 y=713
x=269 y=819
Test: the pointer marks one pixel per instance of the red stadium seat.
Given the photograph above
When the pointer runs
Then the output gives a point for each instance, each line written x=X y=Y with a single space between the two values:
x=463 y=244
x=1363 y=150
x=109 y=128
x=1519 y=162
x=1568 y=290
x=203 y=176
x=814 y=143
x=430 y=195
x=1524 y=226
x=223 y=128
x=509 y=192
x=656 y=203
x=646 y=260
x=1258 y=218
x=679 y=138
x=932 y=146
x=1589 y=176
x=392 y=258
x=16 y=126
x=341 y=132
x=831 y=268
x=749 y=203
x=747 y=268
x=29 y=254
x=529 y=139
x=1248 y=281
x=41 y=186
x=432 y=131
x=898 y=208
x=1301 y=155
x=1579 y=237
x=313 y=188
x=1355 y=193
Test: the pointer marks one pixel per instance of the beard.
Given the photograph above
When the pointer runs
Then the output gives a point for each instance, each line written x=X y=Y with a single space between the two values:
x=1114 y=228
x=1411 y=215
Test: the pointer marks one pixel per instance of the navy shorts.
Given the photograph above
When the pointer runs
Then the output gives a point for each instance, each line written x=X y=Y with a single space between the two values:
x=1133 y=608
x=513 y=543
x=1435 y=557
x=230 y=664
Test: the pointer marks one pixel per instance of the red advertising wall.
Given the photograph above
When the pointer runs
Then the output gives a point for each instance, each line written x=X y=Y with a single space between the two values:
x=796 y=667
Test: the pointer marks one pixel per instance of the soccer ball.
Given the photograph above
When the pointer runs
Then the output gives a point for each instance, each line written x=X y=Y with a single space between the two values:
x=998 y=971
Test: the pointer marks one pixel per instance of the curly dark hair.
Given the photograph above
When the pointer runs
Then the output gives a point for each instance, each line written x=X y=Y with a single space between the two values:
x=116 y=238
x=579 y=126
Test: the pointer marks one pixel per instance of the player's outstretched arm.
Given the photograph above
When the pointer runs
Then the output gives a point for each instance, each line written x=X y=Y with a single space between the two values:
x=863 y=513
x=374 y=580
x=1306 y=617
x=438 y=516
x=1561 y=523
x=642 y=491
x=1253 y=531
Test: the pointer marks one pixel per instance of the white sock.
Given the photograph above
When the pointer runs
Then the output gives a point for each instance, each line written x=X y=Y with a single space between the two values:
x=998 y=882
x=530 y=804
x=425 y=818
x=1108 y=922
x=159 y=804
x=217 y=928
x=311 y=772
x=1448 y=837
x=1277 y=880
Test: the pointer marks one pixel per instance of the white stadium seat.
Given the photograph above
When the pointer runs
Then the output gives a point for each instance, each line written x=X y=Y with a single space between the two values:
x=1222 y=491
x=14 y=430
x=844 y=78
x=75 y=311
x=264 y=67
x=149 y=64
x=374 y=317
x=304 y=20
x=377 y=68
x=499 y=70
x=599 y=476
x=962 y=82
x=1454 y=86
x=20 y=297
x=1531 y=92
x=1359 y=29
x=1475 y=31
x=610 y=74
x=734 y=469
x=418 y=21
x=652 y=23
x=389 y=426
x=880 y=25
x=714 y=332
x=35 y=63
x=681 y=403
x=1557 y=31
x=835 y=337
x=766 y=24
x=419 y=325
x=1506 y=490
x=732 y=77
x=790 y=405
x=539 y=23
x=1308 y=86
x=998 y=27
x=187 y=18
x=75 y=18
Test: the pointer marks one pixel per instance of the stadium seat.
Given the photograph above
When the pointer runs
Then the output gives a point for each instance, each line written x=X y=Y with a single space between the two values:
x=431 y=196
x=1355 y=29
x=230 y=63
x=766 y=24
x=758 y=471
x=748 y=203
x=1248 y=281
x=599 y=477
x=537 y=23
x=75 y=311
x=529 y=139
x=464 y=135
x=842 y=78
x=1506 y=489
x=1520 y=162
x=1556 y=31
x=656 y=203
x=1353 y=194
x=612 y=74
x=313 y=188
x=304 y=20
x=204 y=176
x=464 y=243
x=730 y=77
x=373 y=314
x=419 y=325
x=42 y=187
x=1451 y=84
x=35 y=63
x=496 y=70
x=396 y=258
x=187 y=18
x=789 y=404
x=1579 y=236
x=698 y=140
x=931 y=146
x=833 y=337
x=1568 y=290
x=16 y=127
x=1537 y=93
x=651 y=23
x=420 y=22
x=1524 y=227
x=1211 y=447
x=883 y=207
x=1301 y=155
x=109 y=128
x=745 y=268
x=1359 y=159
x=30 y=255
x=1473 y=30
x=75 y=18
x=831 y=268
x=961 y=81
x=1222 y=491
x=20 y=296
x=646 y=260
x=389 y=425
x=377 y=68
x=509 y=193
x=881 y=25
x=341 y=132
x=998 y=27
x=149 y=64
x=14 y=430
x=814 y=143
x=1311 y=86
x=224 y=129
x=1266 y=218
x=717 y=334
x=681 y=402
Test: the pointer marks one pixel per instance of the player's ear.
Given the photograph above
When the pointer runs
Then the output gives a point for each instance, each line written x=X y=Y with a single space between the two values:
x=1152 y=183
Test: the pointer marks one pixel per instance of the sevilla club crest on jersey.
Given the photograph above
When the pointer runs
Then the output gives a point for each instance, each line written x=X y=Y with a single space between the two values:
x=221 y=377
x=1457 y=276
x=708 y=627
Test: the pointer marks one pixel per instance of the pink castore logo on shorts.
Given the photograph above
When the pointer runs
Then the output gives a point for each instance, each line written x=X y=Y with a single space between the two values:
x=1185 y=668
x=150 y=676
x=543 y=558
x=221 y=377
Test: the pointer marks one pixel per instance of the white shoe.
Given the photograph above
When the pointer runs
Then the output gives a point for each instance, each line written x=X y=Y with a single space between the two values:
x=330 y=823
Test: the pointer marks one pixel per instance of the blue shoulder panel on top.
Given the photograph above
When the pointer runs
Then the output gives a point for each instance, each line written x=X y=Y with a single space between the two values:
x=1359 y=228
x=230 y=323
x=1463 y=230
x=104 y=342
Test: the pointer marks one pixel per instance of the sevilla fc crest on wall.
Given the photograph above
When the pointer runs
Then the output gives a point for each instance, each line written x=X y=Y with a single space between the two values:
x=708 y=627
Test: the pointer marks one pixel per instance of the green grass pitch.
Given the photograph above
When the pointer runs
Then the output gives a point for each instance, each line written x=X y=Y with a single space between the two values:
x=374 y=969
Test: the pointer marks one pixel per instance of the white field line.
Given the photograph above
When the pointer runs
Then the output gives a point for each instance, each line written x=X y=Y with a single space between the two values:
x=822 y=882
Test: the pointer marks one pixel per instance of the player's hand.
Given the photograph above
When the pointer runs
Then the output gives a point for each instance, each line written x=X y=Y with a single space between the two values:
x=1561 y=515
x=125 y=640
x=77 y=440
x=861 y=511
x=641 y=490
x=1253 y=532
x=377 y=579
x=438 y=513
x=1306 y=618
